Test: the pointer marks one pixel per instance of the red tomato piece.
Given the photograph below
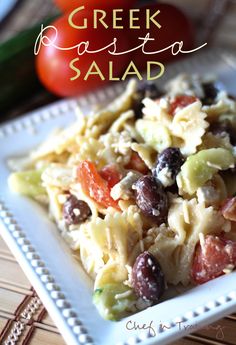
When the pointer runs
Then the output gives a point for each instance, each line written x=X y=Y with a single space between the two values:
x=181 y=102
x=94 y=185
x=211 y=258
x=111 y=174
x=229 y=209
x=136 y=163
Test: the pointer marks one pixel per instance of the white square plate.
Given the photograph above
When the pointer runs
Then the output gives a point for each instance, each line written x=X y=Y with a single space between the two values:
x=58 y=279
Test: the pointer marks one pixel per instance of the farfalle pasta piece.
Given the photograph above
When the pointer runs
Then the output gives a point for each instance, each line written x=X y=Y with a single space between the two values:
x=154 y=134
x=58 y=175
x=112 y=272
x=55 y=208
x=119 y=124
x=91 y=255
x=130 y=128
x=111 y=238
x=117 y=147
x=146 y=153
x=95 y=131
x=121 y=104
x=189 y=125
x=223 y=104
x=210 y=141
x=87 y=149
x=157 y=111
x=60 y=140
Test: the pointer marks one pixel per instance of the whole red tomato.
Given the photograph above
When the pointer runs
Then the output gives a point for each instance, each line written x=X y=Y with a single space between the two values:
x=175 y=26
x=70 y=5
x=53 y=65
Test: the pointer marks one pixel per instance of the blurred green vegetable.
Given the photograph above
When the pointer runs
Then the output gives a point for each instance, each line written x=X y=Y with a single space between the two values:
x=27 y=183
x=17 y=67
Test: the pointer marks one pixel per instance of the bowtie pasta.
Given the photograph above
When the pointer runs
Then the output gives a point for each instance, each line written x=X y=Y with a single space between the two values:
x=143 y=190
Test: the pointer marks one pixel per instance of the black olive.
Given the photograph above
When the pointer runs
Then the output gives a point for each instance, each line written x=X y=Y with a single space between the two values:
x=152 y=199
x=149 y=90
x=75 y=211
x=138 y=109
x=210 y=93
x=171 y=160
x=147 y=278
x=145 y=89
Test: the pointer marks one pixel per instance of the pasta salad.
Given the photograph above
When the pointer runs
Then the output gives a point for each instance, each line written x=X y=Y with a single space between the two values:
x=143 y=190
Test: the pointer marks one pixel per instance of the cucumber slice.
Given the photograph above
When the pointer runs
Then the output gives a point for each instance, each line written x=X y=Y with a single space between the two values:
x=27 y=183
x=200 y=167
x=108 y=303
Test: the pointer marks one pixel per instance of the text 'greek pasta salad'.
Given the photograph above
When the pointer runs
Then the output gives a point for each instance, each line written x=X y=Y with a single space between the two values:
x=143 y=190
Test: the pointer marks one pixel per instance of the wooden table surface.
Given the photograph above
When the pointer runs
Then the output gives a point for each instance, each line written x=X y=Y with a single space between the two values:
x=23 y=318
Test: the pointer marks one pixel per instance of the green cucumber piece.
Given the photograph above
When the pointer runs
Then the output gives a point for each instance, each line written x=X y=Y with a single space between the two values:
x=110 y=307
x=27 y=183
x=200 y=167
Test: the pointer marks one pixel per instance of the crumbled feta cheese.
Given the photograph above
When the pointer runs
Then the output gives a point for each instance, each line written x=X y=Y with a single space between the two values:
x=141 y=245
x=76 y=212
x=155 y=212
x=164 y=104
x=123 y=189
x=228 y=269
x=62 y=198
x=164 y=176
x=202 y=242
x=226 y=226
x=211 y=165
x=207 y=194
x=142 y=304
x=123 y=295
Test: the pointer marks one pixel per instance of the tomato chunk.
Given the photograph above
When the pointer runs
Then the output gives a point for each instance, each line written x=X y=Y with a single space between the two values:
x=111 y=174
x=94 y=185
x=136 y=163
x=229 y=209
x=181 y=102
x=212 y=257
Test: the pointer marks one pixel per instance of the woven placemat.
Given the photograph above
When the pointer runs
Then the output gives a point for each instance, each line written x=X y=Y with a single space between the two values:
x=23 y=318
x=25 y=321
